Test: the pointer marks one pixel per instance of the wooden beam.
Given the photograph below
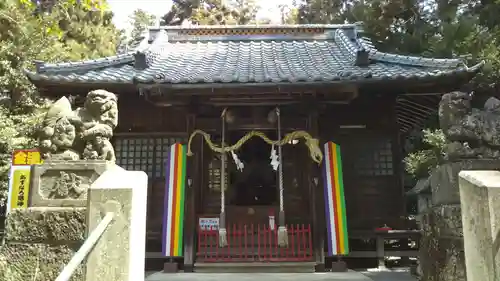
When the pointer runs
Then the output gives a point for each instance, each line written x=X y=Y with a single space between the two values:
x=288 y=123
x=419 y=106
x=413 y=110
x=352 y=254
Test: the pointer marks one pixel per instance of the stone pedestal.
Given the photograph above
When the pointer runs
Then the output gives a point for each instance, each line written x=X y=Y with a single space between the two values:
x=480 y=192
x=64 y=183
x=339 y=266
x=441 y=246
x=40 y=241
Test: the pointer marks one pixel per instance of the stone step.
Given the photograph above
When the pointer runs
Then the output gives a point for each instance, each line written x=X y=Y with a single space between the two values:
x=325 y=276
x=254 y=267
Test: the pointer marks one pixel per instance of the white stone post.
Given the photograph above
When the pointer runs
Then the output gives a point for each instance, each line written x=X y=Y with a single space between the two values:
x=119 y=255
x=480 y=201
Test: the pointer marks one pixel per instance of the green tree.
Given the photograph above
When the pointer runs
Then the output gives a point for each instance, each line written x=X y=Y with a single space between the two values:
x=288 y=15
x=418 y=27
x=180 y=11
x=211 y=12
x=28 y=35
x=245 y=11
x=468 y=29
x=140 y=20
x=214 y=12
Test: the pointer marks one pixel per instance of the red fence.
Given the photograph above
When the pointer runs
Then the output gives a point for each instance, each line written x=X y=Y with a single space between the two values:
x=255 y=243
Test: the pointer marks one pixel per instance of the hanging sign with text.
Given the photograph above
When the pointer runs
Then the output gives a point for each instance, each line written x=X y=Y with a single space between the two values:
x=208 y=223
x=19 y=177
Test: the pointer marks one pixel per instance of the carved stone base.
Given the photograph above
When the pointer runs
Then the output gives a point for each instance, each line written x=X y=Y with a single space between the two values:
x=64 y=183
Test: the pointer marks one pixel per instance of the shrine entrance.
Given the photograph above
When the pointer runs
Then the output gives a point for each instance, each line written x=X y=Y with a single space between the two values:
x=256 y=184
x=252 y=204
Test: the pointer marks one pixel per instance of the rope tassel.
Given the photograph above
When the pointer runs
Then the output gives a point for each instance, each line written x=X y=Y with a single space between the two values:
x=239 y=165
x=282 y=231
x=222 y=231
x=274 y=159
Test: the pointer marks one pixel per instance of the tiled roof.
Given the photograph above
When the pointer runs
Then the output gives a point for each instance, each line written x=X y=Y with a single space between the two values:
x=243 y=54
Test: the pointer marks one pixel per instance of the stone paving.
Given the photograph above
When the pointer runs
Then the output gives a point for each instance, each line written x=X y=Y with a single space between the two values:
x=390 y=275
x=327 y=276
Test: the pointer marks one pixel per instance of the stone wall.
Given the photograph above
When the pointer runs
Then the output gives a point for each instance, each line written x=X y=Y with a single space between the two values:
x=39 y=241
x=441 y=246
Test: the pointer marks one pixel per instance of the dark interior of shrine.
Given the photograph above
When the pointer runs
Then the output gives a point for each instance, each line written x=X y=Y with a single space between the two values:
x=256 y=184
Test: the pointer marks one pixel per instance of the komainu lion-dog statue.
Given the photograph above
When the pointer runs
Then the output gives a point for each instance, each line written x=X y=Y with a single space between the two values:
x=469 y=132
x=83 y=133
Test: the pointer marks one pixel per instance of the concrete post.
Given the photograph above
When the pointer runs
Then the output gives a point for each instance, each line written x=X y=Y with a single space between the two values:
x=119 y=255
x=480 y=201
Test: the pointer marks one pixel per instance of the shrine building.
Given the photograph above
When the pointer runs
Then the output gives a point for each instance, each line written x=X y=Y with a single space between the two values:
x=325 y=80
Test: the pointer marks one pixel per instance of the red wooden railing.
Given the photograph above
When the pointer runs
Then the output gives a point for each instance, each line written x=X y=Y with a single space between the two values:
x=255 y=243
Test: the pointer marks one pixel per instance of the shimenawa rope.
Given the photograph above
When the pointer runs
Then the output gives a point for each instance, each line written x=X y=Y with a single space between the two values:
x=312 y=144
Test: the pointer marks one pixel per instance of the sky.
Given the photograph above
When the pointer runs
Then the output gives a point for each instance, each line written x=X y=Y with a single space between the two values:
x=122 y=9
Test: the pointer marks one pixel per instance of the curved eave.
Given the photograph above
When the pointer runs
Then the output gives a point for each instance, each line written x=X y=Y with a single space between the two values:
x=81 y=66
x=41 y=79
x=465 y=73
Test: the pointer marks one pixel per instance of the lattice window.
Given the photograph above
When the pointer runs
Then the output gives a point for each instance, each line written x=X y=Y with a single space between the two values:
x=375 y=159
x=142 y=153
x=161 y=153
x=135 y=154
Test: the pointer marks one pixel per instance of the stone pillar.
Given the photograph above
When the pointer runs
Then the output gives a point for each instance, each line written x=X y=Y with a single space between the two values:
x=441 y=246
x=480 y=193
x=119 y=255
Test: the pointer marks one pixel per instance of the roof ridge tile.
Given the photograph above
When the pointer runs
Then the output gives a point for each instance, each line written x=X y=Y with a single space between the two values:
x=375 y=54
x=43 y=67
x=358 y=54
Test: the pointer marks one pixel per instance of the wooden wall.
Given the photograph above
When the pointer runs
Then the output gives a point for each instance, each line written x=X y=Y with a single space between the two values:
x=136 y=115
x=144 y=133
x=371 y=161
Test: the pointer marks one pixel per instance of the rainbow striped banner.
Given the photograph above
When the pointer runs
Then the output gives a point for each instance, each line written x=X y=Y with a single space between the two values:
x=173 y=213
x=336 y=221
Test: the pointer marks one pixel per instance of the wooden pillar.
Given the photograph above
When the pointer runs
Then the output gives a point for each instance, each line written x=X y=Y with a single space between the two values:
x=380 y=243
x=397 y=160
x=190 y=211
x=398 y=169
x=316 y=202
